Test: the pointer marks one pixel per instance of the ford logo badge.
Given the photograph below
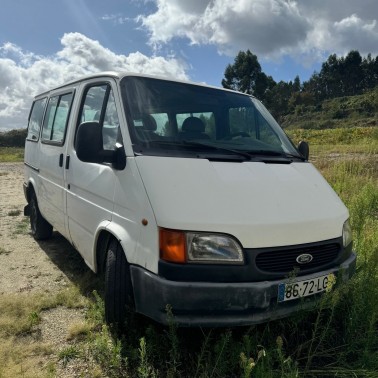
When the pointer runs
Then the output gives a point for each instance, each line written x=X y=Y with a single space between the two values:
x=304 y=258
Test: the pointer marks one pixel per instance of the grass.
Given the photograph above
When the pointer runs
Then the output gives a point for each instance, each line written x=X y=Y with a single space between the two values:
x=11 y=154
x=22 y=227
x=337 y=339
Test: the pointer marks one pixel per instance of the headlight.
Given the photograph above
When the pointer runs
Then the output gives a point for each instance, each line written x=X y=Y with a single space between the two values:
x=347 y=234
x=213 y=248
x=201 y=247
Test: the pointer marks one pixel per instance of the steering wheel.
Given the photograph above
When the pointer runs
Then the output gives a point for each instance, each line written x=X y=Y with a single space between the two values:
x=234 y=135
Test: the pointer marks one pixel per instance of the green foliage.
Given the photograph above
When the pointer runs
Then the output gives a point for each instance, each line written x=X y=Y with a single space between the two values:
x=69 y=353
x=13 y=138
x=245 y=75
x=343 y=112
x=288 y=101
x=11 y=154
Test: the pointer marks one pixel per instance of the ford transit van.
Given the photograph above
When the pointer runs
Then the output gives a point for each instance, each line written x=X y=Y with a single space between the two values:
x=184 y=195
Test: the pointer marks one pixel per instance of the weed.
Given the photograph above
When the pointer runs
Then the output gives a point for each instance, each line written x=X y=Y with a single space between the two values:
x=107 y=352
x=14 y=213
x=79 y=330
x=22 y=227
x=145 y=370
x=69 y=353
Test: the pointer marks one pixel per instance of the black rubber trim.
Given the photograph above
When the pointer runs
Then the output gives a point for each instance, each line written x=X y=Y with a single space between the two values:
x=32 y=167
x=243 y=273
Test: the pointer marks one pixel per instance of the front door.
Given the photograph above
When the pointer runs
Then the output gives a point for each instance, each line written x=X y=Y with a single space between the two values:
x=90 y=186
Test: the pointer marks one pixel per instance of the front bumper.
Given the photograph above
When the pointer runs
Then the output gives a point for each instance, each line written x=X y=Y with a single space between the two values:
x=212 y=304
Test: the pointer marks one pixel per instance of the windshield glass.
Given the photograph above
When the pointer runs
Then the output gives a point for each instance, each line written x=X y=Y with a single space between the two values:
x=167 y=118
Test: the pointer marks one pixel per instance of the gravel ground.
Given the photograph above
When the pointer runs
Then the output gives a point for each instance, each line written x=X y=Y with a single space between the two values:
x=34 y=267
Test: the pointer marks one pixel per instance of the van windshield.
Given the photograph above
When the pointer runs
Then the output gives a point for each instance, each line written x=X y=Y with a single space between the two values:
x=167 y=118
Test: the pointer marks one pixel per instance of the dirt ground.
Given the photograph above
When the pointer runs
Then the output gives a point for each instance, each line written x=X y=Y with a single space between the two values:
x=35 y=267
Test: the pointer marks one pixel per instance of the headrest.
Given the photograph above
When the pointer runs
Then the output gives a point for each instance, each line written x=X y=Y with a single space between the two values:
x=149 y=122
x=193 y=124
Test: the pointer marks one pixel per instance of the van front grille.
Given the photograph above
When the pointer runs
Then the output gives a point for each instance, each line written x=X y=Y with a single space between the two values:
x=285 y=260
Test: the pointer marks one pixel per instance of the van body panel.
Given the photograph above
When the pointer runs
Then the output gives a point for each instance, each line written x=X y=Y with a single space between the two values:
x=52 y=198
x=132 y=206
x=89 y=202
x=291 y=203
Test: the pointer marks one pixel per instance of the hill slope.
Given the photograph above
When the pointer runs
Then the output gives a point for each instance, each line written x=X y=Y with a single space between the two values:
x=351 y=111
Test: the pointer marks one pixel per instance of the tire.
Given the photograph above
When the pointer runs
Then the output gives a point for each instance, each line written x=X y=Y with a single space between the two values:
x=119 y=299
x=40 y=228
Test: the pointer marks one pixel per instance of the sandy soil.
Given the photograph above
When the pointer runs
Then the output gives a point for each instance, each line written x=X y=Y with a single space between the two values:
x=30 y=266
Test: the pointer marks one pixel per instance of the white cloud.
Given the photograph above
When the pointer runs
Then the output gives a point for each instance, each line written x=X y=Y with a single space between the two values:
x=269 y=28
x=117 y=19
x=24 y=74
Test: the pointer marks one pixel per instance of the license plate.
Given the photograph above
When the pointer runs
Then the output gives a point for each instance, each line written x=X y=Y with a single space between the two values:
x=299 y=289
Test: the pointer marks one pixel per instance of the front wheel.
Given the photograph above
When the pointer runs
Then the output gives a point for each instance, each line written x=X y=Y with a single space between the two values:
x=40 y=228
x=119 y=299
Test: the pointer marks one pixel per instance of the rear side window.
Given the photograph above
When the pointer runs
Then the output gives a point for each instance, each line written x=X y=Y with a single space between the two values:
x=36 y=117
x=58 y=109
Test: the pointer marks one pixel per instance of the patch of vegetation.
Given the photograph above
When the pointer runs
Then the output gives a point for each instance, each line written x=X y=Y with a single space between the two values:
x=341 y=112
x=22 y=227
x=14 y=213
x=11 y=154
x=13 y=138
x=69 y=353
x=21 y=351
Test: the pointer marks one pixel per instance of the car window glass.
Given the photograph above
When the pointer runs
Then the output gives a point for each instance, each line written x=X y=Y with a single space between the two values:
x=56 y=118
x=36 y=117
x=99 y=106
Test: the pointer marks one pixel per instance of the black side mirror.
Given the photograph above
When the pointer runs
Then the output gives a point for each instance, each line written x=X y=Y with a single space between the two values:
x=89 y=146
x=89 y=142
x=304 y=149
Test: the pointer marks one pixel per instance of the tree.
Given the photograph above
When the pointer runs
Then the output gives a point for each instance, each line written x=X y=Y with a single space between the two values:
x=245 y=75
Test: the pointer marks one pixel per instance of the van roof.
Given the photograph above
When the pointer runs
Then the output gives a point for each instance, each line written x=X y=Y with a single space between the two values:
x=121 y=74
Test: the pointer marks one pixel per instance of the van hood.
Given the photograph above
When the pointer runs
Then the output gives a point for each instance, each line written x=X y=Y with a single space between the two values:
x=261 y=204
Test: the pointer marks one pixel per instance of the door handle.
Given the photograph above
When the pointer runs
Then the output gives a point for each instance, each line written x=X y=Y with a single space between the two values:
x=61 y=160
x=67 y=161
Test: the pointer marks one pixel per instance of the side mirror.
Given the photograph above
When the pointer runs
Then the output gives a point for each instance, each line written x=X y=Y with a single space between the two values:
x=304 y=149
x=89 y=142
x=89 y=146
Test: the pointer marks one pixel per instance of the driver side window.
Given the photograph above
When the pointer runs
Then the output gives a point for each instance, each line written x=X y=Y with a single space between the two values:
x=99 y=106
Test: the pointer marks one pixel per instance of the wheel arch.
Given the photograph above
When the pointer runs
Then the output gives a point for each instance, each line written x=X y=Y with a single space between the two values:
x=105 y=234
x=30 y=189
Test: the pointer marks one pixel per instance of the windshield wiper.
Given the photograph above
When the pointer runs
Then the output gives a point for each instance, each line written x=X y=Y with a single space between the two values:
x=216 y=148
x=275 y=153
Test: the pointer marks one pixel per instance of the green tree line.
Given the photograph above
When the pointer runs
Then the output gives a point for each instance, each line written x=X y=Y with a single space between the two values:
x=13 y=138
x=339 y=76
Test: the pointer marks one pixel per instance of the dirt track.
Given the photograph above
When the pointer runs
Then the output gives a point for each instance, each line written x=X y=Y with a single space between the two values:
x=35 y=267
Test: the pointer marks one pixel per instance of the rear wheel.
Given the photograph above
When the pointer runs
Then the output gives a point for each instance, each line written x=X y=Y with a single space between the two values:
x=40 y=228
x=119 y=300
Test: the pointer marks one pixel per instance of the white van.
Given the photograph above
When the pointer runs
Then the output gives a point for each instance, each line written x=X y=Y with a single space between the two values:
x=183 y=195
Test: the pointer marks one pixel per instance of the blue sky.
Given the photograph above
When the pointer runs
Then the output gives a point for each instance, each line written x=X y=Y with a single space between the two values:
x=46 y=42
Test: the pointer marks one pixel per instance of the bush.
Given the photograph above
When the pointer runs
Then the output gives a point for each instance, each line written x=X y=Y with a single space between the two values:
x=13 y=138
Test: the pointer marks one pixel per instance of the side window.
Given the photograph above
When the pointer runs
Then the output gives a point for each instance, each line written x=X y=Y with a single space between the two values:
x=58 y=109
x=248 y=121
x=36 y=117
x=267 y=135
x=99 y=106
